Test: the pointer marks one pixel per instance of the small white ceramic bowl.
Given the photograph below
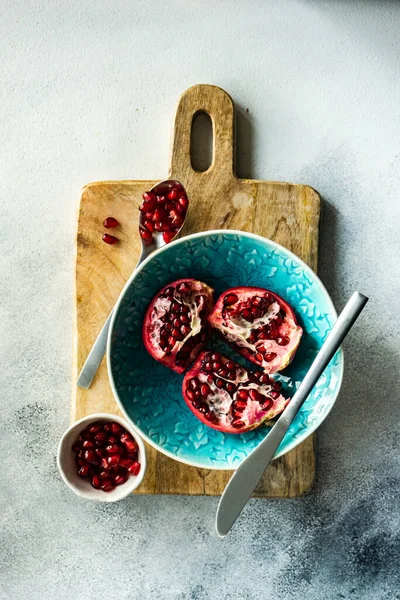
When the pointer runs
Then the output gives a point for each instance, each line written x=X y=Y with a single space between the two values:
x=82 y=487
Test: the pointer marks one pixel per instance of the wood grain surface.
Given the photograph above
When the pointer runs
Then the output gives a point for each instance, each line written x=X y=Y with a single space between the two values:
x=285 y=213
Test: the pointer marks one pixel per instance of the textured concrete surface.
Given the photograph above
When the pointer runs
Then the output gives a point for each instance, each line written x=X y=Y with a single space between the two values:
x=88 y=92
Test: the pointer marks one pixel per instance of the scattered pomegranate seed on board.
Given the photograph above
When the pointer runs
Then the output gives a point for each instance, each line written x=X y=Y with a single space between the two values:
x=110 y=222
x=109 y=239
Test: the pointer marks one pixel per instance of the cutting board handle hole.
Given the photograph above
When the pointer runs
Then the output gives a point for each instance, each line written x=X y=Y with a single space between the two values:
x=201 y=142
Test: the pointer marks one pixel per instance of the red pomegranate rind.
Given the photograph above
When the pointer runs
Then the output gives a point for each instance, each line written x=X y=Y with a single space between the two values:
x=259 y=324
x=163 y=210
x=175 y=326
x=228 y=397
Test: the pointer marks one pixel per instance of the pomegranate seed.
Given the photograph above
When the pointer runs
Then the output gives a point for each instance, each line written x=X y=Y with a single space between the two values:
x=237 y=424
x=256 y=396
x=94 y=428
x=243 y=394
x=230 y=299
x=109 y=239
x=223 y=372
x=126 y=437
x=230 y=387
x=194 y=383
x=88 y=444
x=112 y=440
x=110 y=222
x=277 y=385
x=149 y=197
x=91 y=457
x=246 y=314
x=267 y=404
x=76 y=448
x=107 y=426
x=107 y=485
x=84 y=471
x=283 y=341
x=104 y=463
x=134 y=468
x=96 y=483
x=113 y=449
x=183 y=201
x=258 y=357
x=216 y=365
x=240 y=405
x=144 y=234
x=190 y=394
x=100 y=452
x=263 y=335
x=160 y=199
x=120 y=479
x=103 y=474
x=264 y=378
x=205 y=390
x=113 y=460
x=252 y=337
x=131 y=446
x=168 y=236
x=173 y=194
x=185 y=329
x=159 y=214
x=100 y=438
x=275 y=395
x=270 y=356
x=149 y=226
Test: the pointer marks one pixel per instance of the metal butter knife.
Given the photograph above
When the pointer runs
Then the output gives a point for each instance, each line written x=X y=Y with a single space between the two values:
x=245 y=479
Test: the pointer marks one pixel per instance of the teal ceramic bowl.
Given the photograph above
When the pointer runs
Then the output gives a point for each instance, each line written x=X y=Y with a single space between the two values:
x=149 y=394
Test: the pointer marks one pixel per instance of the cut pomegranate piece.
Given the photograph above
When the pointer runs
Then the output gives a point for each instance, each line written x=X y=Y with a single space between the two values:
x=164 y=210
x=228 y=397
x=175 y=328
x=259 y=324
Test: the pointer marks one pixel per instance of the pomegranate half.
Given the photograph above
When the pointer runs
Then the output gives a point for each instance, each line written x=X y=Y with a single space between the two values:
x=175 y=327
x=228 y=397
x=259 y=324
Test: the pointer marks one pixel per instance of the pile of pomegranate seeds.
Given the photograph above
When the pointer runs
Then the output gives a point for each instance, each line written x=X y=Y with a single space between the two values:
x=163 y=213
x=106 y=455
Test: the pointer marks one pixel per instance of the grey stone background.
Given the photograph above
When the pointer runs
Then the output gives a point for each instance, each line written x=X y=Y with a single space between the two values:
x=88 y=91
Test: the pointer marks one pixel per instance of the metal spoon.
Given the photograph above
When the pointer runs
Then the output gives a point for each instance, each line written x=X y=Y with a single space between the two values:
x=245 y=479
x=98 y=350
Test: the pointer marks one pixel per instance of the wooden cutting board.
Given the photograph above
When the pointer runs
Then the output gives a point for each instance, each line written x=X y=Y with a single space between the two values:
x=285 y=213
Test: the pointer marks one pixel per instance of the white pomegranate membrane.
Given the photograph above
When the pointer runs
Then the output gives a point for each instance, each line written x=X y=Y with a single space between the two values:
x=163 y=210
x=175 y=328
x=106 y=455
x=228 y=397
x=259 y=324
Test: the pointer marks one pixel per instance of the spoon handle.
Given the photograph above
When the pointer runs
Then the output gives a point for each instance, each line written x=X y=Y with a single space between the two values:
x=245 y=479
x=95 y=356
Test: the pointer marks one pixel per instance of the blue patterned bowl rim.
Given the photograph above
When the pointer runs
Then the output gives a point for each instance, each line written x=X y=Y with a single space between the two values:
x=299 y=437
